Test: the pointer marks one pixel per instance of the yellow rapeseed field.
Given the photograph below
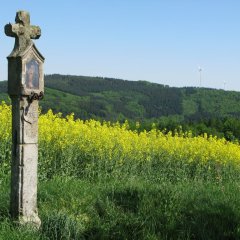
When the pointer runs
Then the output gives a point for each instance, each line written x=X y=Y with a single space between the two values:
x=60 y=138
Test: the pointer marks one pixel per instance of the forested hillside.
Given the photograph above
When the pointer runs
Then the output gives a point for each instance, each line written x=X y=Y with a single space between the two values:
x=201 y=109
x=115 y=99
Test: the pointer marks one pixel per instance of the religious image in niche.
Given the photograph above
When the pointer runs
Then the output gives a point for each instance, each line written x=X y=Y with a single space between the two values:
x=32 y=75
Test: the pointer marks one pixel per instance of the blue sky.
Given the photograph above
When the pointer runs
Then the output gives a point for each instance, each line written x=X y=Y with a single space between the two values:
x=162 y=41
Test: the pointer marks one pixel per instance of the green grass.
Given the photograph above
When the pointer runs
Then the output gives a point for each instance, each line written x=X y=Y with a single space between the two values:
x=130 y=208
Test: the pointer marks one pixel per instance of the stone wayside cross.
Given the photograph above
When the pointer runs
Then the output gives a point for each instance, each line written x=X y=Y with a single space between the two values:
x=25 y=87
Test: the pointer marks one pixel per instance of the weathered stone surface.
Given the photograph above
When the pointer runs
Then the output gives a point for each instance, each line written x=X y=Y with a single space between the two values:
x=25 y=87
x=22 y=31
x=24 y=183
x=25 y=120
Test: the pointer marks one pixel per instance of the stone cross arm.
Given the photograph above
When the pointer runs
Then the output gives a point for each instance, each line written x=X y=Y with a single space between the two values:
x=17 y=30
x=22 y=31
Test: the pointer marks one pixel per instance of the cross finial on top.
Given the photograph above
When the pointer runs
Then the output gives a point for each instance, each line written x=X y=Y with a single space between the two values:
x=22 y=31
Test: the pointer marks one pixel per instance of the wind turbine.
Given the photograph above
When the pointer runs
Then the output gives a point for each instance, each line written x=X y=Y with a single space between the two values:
x=224 y=85
x=200 y=76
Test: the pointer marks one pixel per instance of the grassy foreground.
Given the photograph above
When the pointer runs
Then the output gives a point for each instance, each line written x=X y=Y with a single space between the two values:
x=133 y=209
x=102 y=181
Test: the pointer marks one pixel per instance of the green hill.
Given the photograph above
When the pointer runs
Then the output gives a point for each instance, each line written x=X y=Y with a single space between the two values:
x=116 y=99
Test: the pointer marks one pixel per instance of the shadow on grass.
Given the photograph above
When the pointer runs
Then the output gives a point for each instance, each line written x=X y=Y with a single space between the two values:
x=205 y=220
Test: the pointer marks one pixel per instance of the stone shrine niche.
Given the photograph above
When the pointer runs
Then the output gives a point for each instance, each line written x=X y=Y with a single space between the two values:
x=32 y=72
x=29 y=66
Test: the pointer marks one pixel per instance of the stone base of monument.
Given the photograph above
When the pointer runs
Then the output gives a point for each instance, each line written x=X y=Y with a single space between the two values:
x=33 y=221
